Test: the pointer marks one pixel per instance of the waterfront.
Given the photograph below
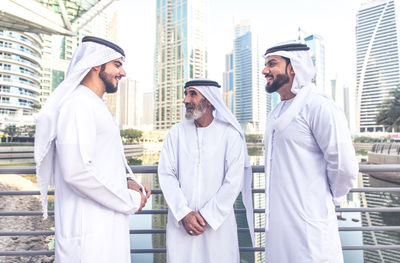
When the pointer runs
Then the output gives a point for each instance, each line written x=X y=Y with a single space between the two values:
x=348 y=238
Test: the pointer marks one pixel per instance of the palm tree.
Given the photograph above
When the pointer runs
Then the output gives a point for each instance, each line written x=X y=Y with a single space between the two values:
x=389 y=115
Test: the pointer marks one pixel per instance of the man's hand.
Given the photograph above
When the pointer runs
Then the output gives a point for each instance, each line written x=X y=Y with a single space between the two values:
x=136 y=187
x=194 y=223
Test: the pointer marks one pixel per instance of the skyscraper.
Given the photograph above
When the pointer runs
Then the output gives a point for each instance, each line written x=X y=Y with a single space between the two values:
x=250 y=97
x=317 y=51
x=147 y=120
x=180 y=55
x=228 y=93
x=20 y=70
x=129 y=104
x=378 y=73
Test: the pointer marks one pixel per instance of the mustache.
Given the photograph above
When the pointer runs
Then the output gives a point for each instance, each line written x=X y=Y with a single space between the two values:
x=190 y=106
x=268 y=75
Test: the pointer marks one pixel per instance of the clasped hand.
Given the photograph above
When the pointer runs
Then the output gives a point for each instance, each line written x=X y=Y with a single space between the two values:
x=194 y=223
x=135 y=186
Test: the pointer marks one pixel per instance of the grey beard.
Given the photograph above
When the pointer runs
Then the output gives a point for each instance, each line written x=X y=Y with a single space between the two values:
x=197 y=113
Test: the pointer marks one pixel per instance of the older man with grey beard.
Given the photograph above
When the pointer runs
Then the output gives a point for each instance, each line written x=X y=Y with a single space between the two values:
x=203 y=167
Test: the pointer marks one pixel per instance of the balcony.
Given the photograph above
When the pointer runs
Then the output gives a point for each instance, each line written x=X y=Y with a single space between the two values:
x=366 y=228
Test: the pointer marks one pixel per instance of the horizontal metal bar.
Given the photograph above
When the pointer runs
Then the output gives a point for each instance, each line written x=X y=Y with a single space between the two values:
x=369 y=209
x=28 y=233
x=376 y=189
x=256 y=191
x=237 y=211
x=148 y=250
x=163 y=231
x=131 y=231
x=24 y=213
x=369 y=228
x=163 y=250
x=372 y=247
x=27 y=253
x=16 y=192
x=153 y=168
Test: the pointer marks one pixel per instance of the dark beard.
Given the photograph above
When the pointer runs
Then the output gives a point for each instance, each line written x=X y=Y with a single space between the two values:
x=106 y=78
x=281 y=79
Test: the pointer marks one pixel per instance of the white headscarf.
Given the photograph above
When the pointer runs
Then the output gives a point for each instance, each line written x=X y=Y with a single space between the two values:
x=302 y=65
x=86 y=56
x=222 y=113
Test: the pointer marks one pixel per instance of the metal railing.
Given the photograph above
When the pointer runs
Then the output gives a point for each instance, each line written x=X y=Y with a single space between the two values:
x=256 y=169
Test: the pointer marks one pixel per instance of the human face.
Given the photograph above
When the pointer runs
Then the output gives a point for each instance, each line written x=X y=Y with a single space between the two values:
x=276 y=73
x=111 y=73
x=195 y=103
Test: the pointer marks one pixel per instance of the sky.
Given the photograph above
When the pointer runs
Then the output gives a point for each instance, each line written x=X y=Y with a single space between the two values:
x=274 y=21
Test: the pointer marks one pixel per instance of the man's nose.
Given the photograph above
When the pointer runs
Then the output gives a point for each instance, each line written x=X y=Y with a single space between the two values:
x=123 y=72
x=265 y=70
x=186 y=99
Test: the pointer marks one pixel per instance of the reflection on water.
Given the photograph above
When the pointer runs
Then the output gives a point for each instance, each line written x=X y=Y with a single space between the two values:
x=348 y=238
x=380 y=219
x=159 y=221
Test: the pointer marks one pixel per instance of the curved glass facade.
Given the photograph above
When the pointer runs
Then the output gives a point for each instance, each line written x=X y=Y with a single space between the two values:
x=20 y=74
x=378 y=70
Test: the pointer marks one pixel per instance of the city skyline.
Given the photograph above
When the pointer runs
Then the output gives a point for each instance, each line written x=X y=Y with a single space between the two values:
x=275 y=21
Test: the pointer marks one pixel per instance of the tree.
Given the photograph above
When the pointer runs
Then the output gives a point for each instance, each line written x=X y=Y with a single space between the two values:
x=131 y=135
x=11 y=130
x=389 y=115
x=28 y=130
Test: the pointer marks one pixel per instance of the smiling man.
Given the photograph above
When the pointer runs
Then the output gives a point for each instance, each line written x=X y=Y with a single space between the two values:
x=203 y=166
x=309 y=162
x=78 y=148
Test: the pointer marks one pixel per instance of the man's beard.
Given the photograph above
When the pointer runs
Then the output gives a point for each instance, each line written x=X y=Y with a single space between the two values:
x=280 y=80
x=197 y=112
x=107 y=80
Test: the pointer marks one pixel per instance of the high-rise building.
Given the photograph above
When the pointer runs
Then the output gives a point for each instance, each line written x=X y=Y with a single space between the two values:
x=147 y=119
x=20 y=55
x=250 y=97
x=33 y=64
x=317 y=52
x=228 y=93
x=378 y=72
x=180 y=55
x=340 y=93
x=129 y=104
x=58 y=50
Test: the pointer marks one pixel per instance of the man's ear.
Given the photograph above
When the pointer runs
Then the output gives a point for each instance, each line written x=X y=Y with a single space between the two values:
x=291 y=70
x=96 y=68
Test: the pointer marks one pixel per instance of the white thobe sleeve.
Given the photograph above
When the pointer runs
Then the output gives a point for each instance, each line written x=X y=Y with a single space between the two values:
x=75 y=147
x=329 y=127
x=217 y=209
x=168 y=176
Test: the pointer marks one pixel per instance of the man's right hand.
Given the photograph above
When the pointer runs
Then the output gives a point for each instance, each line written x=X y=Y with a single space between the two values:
x=194 y=223
x=135 y=186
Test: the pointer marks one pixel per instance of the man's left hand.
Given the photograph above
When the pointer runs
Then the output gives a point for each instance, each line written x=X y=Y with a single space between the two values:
x=136 y=187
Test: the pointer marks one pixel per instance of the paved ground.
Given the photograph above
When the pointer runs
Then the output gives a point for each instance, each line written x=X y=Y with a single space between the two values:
x=22 y=223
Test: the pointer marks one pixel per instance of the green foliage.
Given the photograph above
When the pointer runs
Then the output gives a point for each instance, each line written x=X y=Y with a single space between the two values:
x=365 y=139
x=11 y=130
x=134 y=161
x=131 y=135
x=253 y=137
x=27 y=130
x=389 y=115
